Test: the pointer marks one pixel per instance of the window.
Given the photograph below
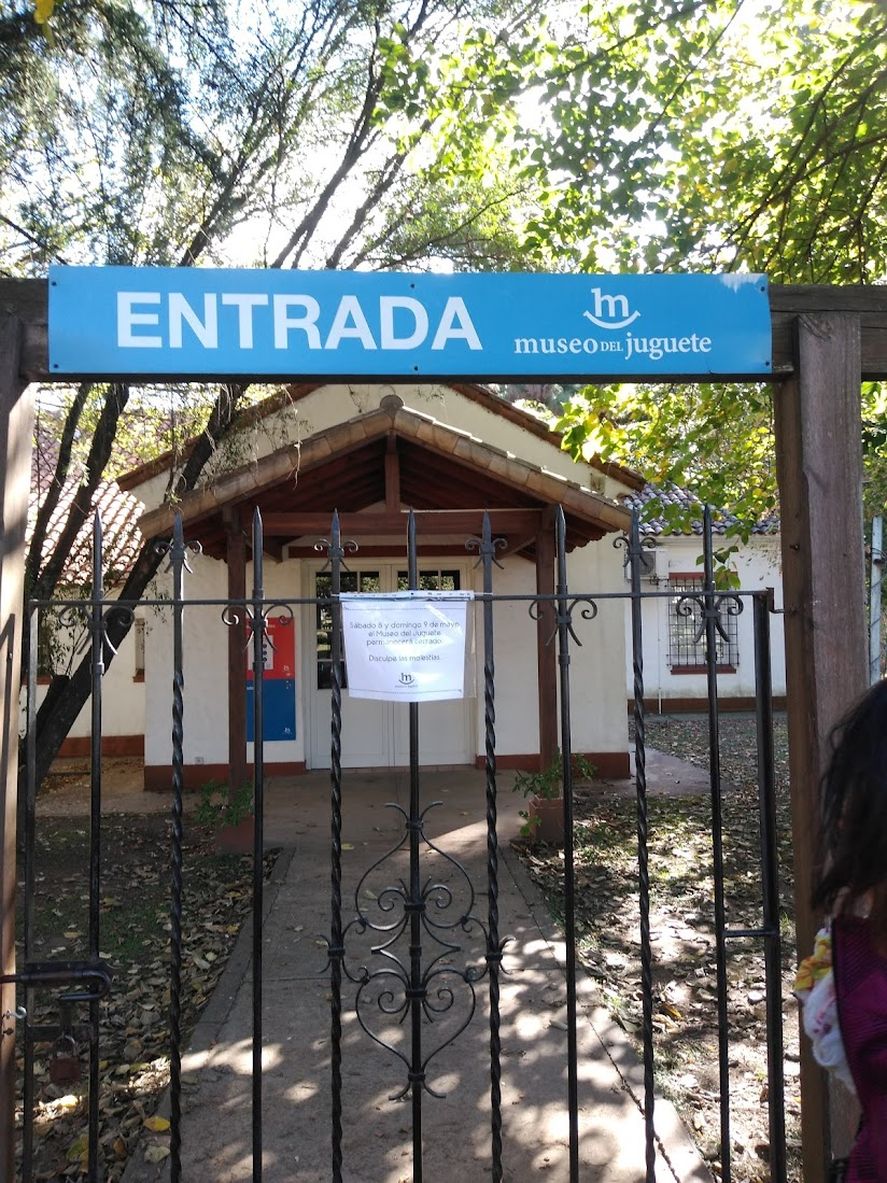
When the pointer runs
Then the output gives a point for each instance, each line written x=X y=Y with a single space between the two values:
x=686 y=634
x=365 y=582
x=430 y=581
x=351 y=581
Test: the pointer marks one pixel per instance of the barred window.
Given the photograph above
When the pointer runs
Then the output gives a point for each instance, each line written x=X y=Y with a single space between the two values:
x=686 y=635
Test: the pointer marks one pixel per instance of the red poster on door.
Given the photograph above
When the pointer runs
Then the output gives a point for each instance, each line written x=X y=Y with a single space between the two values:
x=278 y=649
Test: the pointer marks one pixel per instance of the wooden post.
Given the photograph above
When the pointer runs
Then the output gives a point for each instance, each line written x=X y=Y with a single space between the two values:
x=237 y=640
x=392 y=476
x=16 y=428
x=819 y=467
x=546 y=653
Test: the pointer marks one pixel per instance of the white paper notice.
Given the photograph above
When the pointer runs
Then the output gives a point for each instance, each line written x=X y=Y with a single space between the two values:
x=408 y=646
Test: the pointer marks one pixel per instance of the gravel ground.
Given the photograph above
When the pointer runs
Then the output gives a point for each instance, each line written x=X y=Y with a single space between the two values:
x=681 y=894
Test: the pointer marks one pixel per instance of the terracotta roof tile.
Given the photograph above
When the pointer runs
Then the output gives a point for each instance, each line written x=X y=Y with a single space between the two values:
x=122 y=540
x=687 y=500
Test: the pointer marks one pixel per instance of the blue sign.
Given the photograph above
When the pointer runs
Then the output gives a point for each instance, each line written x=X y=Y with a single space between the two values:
x=278 y=710
x=201 y=323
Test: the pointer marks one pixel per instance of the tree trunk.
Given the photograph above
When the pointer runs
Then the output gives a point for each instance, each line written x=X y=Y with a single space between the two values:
x=61 y=707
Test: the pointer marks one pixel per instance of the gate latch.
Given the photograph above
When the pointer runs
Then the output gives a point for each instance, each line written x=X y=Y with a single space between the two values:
x=64 y=1067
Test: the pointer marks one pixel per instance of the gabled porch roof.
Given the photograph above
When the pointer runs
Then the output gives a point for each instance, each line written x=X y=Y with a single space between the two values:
x=391 y=457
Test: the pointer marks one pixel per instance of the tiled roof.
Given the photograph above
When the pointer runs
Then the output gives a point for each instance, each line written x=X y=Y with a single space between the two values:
x=121 y=538
x=471 y=390
x=668 y=495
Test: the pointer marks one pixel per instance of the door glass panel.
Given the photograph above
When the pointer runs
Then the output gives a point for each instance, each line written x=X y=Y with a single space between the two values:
x=351 y=581
x=439 y=580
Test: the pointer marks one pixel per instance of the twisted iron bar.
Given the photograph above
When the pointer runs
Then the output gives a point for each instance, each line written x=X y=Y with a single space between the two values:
x=634 y=546
x=486 y=547
x=97 y=628
x=177 y=550
x=711 y=626
x=336 y=549
x=564 y=631
x=259 y=635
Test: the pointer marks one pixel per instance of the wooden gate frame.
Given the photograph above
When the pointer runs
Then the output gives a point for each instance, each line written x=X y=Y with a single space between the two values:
x=826 y=340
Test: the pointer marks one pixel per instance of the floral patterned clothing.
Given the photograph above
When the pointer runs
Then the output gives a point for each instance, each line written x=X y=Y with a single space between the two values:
x=861 y=992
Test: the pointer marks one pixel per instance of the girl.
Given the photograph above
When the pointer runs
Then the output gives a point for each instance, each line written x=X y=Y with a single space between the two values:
x=853 y=889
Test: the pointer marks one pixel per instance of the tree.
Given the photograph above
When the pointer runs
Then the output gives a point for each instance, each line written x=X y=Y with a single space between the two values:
x=639 y=134
x=160 y=133
x=713 y=135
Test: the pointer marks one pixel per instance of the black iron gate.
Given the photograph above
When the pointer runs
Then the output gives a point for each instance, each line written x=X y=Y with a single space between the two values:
x=411 y=976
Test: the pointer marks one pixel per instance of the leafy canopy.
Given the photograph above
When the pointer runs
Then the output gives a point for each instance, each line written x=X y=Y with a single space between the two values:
x=712 y=135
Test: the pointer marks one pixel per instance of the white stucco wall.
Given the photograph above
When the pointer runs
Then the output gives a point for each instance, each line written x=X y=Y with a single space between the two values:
x=598 y=708
x=599 y=717
x=514 y=644
x=758 y=566
x=123 y=697
x=336 y=403
x=205 y=645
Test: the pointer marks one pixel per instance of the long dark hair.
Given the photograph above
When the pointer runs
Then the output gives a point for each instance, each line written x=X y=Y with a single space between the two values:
x=854 y=809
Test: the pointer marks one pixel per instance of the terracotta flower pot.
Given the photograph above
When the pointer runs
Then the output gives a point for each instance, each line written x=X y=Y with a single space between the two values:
x=236 y=839
x=546 y=820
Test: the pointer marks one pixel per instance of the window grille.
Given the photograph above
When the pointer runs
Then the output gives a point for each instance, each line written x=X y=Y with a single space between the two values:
x=686 y=634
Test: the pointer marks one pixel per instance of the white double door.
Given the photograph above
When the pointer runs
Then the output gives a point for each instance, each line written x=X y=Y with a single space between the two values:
x=376 y=734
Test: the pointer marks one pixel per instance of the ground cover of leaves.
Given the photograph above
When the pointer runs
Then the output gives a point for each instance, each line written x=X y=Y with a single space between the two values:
x=682 y=924
x=134 y=928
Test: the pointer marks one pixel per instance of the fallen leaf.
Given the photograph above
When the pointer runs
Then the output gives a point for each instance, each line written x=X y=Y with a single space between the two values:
x=79 y=1148
x=157 y=1124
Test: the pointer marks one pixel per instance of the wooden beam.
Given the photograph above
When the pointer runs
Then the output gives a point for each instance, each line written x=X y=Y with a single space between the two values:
x=868 y=304
x=546 y=648
x=516 y=544
x=16 y=430
x=392 y=476
x=274 y=550
x=428 y=522
x=235 y=557
x=389 y=550
x=819 y=468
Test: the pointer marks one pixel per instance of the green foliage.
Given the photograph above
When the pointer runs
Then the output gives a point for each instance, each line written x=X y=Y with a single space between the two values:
x=548 y=783
x=220 y=805
x=712 y=136
x=714 y=438
x=718 y=135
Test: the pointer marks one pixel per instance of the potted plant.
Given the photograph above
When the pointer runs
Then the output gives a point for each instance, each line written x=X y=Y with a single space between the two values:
x=544 y=790
x=229 y=812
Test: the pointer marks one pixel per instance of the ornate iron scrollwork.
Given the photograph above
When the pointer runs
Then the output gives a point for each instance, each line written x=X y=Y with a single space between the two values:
x=565 y=607
x=445 y=909
x=710 y=606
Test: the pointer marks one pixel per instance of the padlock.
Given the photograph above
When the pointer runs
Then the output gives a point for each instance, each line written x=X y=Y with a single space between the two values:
x=64 y=1067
